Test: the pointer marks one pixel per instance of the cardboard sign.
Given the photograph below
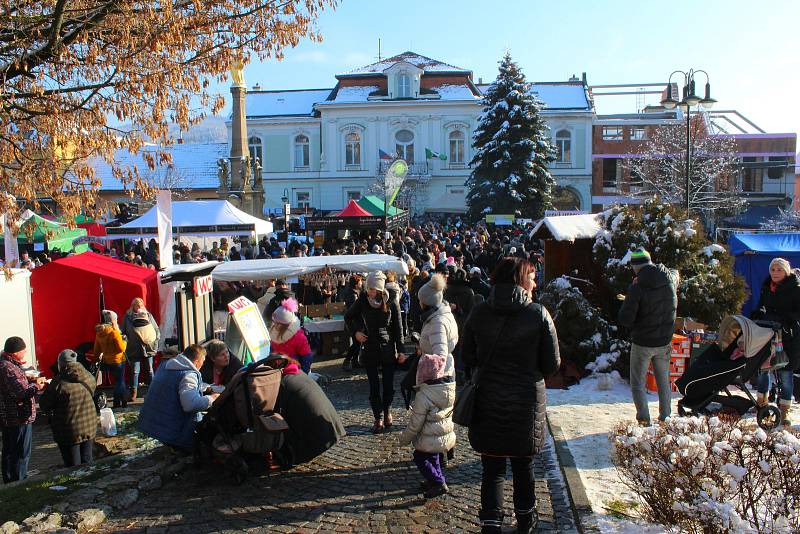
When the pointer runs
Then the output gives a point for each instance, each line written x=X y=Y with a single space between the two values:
x=251 y=325
x=203 y=285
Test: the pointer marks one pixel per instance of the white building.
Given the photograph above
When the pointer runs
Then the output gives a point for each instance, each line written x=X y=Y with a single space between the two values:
x=321 y=147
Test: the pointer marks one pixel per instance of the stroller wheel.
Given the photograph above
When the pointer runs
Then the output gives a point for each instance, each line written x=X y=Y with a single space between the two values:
x=769 y=417
x=238 y=468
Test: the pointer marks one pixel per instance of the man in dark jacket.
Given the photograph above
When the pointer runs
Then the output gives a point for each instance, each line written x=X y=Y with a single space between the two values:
x=479 y=287
x=282 y=292
x=649 y=313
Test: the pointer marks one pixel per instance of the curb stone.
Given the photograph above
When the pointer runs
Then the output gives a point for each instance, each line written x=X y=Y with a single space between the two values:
x=579 y=501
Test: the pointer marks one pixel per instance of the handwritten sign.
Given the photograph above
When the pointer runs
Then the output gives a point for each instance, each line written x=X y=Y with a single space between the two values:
x=251 y=325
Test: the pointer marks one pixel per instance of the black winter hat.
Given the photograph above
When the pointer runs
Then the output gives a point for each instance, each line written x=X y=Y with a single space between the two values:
x=14 y=344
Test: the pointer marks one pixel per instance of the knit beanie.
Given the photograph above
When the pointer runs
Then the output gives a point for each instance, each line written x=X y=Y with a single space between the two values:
x=783 y=264
x=65 y=357
x=285 y=313
x=640 y=257
x=431 y=293
x=430 y=367
x=14 y=344
x=376 y=280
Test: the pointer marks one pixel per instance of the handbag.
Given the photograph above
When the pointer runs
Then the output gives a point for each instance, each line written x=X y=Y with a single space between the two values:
x=464 y=408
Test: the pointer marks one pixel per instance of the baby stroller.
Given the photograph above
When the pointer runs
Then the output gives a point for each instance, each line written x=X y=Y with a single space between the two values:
x=714 y=371
x=242 y=422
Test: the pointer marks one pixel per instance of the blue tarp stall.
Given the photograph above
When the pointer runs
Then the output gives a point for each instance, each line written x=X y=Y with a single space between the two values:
x=753 y=252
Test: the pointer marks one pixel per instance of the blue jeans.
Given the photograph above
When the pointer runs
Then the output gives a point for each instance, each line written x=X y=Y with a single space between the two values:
x=136 y=367
x=640 y=361
x=787 y=383
x=117 y=371
x=17 y=445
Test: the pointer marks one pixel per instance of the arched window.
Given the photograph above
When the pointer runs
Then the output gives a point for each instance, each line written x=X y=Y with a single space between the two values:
x=404 y=143
x=352 y=149
x=256 y=151
x=563 y=146
x=566 y=198
x=456 y=139
x=301 y=151
x=404 y=86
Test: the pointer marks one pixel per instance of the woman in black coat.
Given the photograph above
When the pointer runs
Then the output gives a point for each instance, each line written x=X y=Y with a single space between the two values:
x=780 y=302
x=375 y=319
x=511 y=343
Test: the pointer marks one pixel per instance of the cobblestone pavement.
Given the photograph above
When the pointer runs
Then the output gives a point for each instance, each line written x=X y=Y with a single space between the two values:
x=366 y=483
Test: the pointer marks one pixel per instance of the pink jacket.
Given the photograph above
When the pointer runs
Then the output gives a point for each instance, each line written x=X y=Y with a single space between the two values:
x=295 y=344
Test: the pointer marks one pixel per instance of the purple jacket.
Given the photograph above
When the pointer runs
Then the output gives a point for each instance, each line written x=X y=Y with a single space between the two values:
x=17 y=404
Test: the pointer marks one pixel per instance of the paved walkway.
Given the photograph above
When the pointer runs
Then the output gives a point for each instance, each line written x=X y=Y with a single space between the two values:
x=366 y=483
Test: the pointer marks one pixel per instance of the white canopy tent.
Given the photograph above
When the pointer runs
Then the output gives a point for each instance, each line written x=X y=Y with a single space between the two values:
x=288 y=267
x=202 y=218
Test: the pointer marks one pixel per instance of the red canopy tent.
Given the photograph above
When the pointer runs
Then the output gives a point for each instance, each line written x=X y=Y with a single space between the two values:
x=354 y=210
x=66 y=299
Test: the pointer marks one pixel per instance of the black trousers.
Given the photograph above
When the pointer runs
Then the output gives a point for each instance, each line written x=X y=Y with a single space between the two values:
x=380 y=399
x=76 y=454
x=494 y=474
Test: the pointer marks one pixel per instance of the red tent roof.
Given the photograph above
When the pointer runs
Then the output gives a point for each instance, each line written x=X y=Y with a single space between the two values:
x=66 y=299
x=354 y=210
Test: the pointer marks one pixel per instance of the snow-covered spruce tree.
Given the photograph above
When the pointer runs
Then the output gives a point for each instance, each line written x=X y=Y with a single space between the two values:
x=708 y=290
x=512 y=150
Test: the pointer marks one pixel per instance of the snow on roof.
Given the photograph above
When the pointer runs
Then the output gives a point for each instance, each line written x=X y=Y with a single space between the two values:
x=425 y=63
x=194 y=165
x=455 y=92
x=569 y=227
x=357 y=93
x=281 y=103
x=557 y=96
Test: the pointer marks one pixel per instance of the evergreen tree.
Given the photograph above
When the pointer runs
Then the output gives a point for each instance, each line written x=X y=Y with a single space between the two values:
x=512 y=150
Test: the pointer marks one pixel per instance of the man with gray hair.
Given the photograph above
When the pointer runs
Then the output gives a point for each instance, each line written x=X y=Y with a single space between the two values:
x=649 y=313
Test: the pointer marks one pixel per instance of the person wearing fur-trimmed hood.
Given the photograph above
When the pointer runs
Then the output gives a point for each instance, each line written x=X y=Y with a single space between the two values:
x=287 y=337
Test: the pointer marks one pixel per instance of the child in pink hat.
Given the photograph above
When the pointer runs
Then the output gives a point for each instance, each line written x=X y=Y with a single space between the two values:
x=430 y=424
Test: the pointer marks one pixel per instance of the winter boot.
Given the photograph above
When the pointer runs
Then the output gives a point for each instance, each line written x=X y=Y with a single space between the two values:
x=527 y=521
x=436 y=490
x=387 y=419
x=761 y=400
x=491 y=521
x=786 y=407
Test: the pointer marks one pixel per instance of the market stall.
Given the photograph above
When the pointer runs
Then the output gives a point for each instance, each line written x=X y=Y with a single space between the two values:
x=568 y=242
x=202 y=218
x=327 y=320
x=17 y=311
x=753 y=252
x=37 y=234
x=68 y=294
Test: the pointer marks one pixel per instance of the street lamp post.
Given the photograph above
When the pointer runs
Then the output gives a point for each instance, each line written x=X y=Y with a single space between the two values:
x=286 y=210
x=689 y=99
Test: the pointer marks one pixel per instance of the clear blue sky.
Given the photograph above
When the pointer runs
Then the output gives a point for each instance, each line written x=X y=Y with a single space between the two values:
x=750 y=49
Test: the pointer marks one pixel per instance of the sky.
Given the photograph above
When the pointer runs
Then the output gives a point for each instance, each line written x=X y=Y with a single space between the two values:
x=749 y=49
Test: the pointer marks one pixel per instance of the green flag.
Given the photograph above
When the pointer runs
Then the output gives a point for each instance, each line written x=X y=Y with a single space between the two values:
x=431 y=154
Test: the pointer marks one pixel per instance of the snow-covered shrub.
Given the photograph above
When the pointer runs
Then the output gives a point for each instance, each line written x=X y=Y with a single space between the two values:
x=584 y=336
x=712 y=474
x=708 y=290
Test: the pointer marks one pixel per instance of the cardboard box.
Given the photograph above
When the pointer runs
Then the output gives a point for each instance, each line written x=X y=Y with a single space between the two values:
x=688 y=325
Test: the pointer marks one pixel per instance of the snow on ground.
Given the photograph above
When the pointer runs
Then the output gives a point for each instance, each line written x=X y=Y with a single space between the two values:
x=586 y=414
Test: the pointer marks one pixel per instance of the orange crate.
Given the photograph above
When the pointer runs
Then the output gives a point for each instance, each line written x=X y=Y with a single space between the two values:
x=652 y=386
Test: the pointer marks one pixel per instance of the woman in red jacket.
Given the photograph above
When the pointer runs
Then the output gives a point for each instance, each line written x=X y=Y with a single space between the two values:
x=287 y=337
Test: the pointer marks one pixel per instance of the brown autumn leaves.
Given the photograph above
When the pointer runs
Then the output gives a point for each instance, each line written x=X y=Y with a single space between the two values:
x=71 y=71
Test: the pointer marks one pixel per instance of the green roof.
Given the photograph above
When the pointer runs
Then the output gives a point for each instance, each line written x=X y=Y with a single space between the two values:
x=374 y=205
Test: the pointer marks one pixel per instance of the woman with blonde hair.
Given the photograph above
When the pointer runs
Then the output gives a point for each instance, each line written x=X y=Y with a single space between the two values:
x=141 y=330
x=109 y=351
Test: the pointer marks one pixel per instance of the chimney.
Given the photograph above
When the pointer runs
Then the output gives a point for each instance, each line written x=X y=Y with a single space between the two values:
x=573 y=78
x=480 y=80
x=583 y=79
x=257 y=87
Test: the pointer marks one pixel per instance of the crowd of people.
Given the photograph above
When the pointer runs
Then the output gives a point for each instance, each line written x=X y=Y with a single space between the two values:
x=468 y=306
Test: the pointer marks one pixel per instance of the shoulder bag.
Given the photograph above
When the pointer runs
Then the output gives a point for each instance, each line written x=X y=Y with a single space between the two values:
x=464 y=408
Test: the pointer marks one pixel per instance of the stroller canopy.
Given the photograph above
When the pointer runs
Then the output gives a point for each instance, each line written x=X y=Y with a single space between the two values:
x=754 y=337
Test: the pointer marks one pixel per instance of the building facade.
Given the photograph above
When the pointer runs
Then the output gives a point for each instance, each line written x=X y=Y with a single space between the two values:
x=321 y=147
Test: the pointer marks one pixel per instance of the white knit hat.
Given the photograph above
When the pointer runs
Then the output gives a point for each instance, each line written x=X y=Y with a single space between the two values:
x=783 y=264
x=376 y=280
x=432 y=293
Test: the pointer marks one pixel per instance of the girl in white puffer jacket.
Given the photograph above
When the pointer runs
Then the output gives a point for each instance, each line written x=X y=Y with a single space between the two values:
x=430 y=424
